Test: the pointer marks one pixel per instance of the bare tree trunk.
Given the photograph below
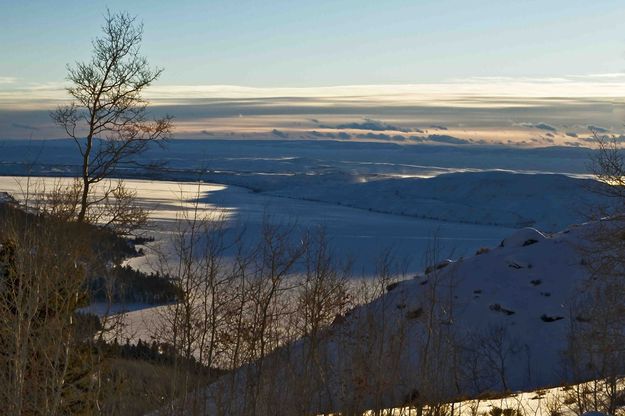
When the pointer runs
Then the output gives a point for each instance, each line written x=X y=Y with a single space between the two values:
x=84 y=198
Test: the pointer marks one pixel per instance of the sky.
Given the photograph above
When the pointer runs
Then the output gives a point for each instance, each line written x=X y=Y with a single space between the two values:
x=323 y=43
x=390 y=52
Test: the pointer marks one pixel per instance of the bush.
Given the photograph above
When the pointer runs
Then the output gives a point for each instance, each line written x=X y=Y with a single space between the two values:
x=482 y=250
x=498 y=411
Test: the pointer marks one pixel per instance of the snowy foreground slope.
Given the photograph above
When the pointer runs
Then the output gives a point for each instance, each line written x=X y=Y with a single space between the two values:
x=492 y=322
x=540 y=402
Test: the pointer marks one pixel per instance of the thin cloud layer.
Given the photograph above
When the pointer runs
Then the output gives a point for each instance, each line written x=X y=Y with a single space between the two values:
x=373 y=125
x=540 y=126
x=465 y=91
x=461 y=112
x=598 y=129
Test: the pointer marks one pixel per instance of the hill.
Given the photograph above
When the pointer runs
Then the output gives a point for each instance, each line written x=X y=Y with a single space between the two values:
x=494 y=322
x=547 y=201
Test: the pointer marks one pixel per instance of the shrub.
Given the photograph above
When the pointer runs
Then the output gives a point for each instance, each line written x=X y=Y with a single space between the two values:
x=482 y=250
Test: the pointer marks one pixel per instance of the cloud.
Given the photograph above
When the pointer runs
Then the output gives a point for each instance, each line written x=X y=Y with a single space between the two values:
x=279 y=133
x=571 y=134
x=207 y=133
x=545 y=126
x=480 y=117
x=619 y=139
x=616 y=139
x=318 y=134
x=340 y=135
x=606 y=76
x=24 y=126
x=438 y=127
x=591 y=85
x=370 y=124
x=541 y=126
x=443 y=138
x=597 y=129
x=381 y=136
x=497 y=89
x=366 y=136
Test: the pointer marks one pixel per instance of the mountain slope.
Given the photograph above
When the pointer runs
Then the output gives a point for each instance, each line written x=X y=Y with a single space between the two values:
x=547 y=201
x=492 y=322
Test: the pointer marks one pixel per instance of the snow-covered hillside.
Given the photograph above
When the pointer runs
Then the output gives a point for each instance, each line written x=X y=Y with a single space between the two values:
x=547 y=201
x=491 y=322
x=481 y=186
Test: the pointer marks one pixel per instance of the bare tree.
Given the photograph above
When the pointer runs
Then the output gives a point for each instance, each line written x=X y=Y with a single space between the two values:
x=596 y=336
x=608 y=165
x=497 y=350
x=46 y=368
x=108 y=118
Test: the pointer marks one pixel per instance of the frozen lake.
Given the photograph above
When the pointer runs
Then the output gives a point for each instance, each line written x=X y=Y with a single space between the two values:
x=355 y=233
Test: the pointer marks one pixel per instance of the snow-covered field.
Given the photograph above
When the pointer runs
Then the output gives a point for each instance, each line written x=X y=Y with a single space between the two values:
x=381 y=177
x=355 y=233
x=247 y=162
x=548 y=201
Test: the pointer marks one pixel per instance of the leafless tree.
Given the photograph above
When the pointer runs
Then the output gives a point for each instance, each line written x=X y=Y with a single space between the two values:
x=608 y=165
x=108 y=118
x=498 y=349
x=46 y=367
x=595 y=351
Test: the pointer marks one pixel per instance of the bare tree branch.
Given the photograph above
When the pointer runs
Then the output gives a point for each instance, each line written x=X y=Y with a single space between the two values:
x=108 y=119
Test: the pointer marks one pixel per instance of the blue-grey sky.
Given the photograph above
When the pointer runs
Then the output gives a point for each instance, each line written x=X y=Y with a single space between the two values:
x=297 y=43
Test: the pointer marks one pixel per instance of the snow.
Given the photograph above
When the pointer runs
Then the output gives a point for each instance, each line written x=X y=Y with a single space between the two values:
x=524 y=237
x=487 y=293
x=232 y=157
x=547 y=201
x=472 y=184
x=541 y=402
x=354 y=233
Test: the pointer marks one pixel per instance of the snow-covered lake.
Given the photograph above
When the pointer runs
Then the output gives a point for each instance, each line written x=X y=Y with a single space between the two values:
x=355 y=233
